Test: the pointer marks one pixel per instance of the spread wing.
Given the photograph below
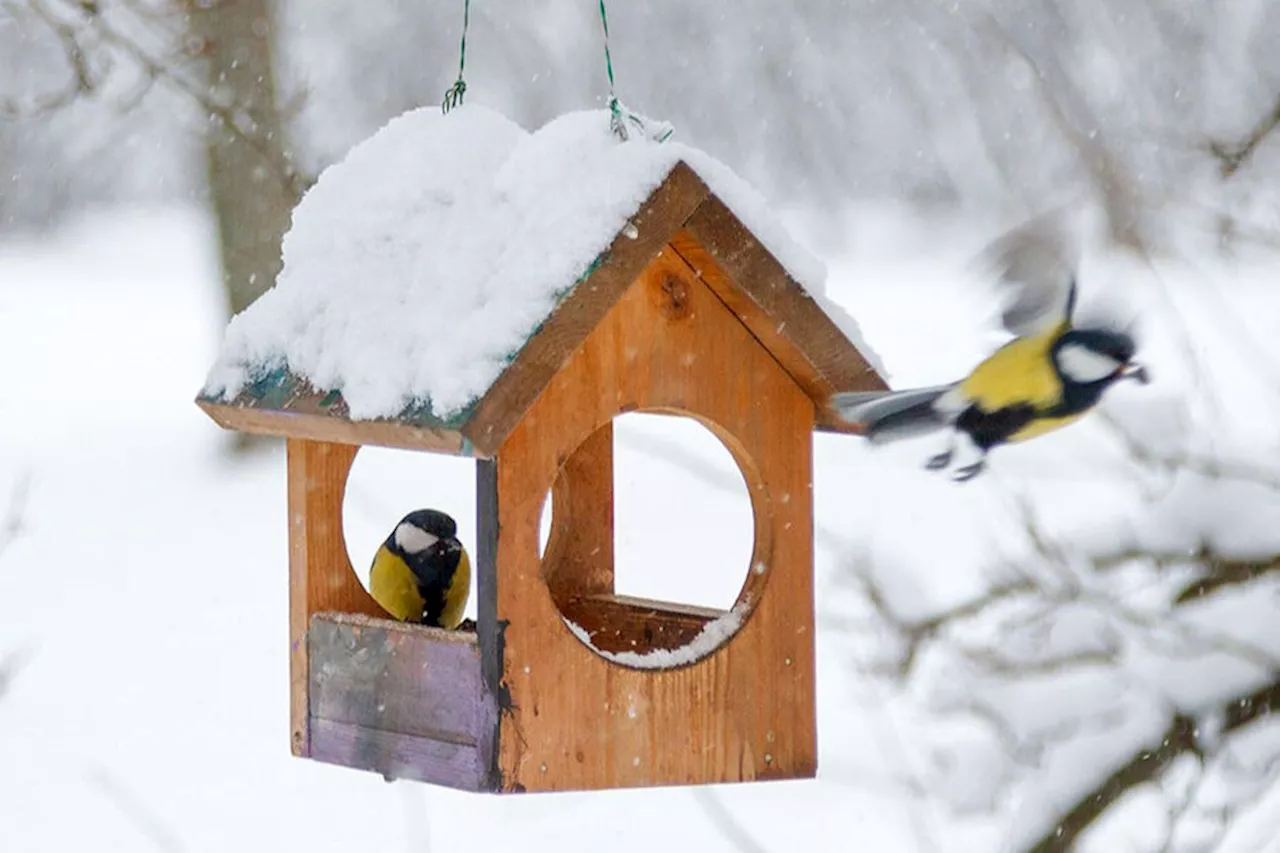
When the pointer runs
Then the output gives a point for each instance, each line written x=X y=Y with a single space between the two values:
x=1035 y=267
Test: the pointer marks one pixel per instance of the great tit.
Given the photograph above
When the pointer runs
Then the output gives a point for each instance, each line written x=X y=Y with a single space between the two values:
x=1049 y=376
x=422 y=573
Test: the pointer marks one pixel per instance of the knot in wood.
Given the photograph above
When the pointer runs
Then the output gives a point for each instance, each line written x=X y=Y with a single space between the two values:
x=674 y=298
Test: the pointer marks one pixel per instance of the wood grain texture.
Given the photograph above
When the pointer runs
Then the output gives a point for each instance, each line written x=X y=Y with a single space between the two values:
x=391 y=675
x=579 y=555
x=390 y=678
x=778 y=311
x=400 y=756
x=618 y=623
x=321 y=426
x=320 y=573
x=490 y=632
x=569 y=324
x=744 y=712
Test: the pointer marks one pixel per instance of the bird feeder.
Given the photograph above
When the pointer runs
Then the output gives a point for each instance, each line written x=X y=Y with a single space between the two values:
x=563 y=684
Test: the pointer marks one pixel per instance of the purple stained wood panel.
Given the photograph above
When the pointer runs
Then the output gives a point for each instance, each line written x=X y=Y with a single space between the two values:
x=401 y=756
x=404 y=700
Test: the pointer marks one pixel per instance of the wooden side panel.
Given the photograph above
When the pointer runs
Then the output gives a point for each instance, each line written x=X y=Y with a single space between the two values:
x=781 y=315
x=544 y=353
x=579 y=555
x=400 y=756
x=405 y=700
x=747 y=710
x=320 y=574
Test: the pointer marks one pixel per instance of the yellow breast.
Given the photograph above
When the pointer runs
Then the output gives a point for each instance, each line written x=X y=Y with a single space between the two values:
x=1020 y=372
x=455 y=598
x=394 y=587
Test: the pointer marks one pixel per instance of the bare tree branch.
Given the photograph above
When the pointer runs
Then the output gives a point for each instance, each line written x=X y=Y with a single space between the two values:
x=144 y=819
x=88 y=24
x=1119 y=196
x=11 y=524
x=12 y=664
x=726 y=824
x=80 y=79
x=1232 y=156
x=1182 y=736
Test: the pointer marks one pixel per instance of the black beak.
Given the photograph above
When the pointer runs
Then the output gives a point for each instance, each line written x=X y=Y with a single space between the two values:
x=1133 y=370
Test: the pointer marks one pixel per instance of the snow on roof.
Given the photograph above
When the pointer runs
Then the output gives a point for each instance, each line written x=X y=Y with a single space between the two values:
x=418 y=266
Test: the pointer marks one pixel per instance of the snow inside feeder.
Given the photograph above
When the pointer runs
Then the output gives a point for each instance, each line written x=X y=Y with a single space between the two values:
x=459 y=285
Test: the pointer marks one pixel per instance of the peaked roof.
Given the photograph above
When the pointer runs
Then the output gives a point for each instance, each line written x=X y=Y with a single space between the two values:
x=683 y=213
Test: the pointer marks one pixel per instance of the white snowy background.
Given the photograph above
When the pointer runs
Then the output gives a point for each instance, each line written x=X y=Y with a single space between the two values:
x=988 y=654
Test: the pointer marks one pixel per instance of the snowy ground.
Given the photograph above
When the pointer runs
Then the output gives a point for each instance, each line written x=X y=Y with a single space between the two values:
x=146 y=594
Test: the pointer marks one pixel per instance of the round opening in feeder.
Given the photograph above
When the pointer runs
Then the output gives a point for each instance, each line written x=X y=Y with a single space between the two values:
x=385 y=485
x=653 y=534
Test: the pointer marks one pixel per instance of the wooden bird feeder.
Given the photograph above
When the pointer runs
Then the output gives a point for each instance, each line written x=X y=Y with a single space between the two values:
x=686 y=313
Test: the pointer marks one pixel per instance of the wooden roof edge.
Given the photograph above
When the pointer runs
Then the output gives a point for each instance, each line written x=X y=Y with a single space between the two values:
x=681 y=203
x=649 y=229
x=782 y=313
x=323 y=426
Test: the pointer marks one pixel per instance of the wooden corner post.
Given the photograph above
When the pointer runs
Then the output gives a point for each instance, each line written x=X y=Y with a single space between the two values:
x=320 y=573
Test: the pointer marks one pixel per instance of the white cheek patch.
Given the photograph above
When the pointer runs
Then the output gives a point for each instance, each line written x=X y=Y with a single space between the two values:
x=1084 y=365
x=414 y=540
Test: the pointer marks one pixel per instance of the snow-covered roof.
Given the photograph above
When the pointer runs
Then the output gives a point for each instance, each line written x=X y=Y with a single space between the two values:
x=418 y=267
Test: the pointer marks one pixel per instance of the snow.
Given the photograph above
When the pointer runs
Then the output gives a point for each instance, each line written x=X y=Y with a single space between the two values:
x=147 y=590
x=419 y=265
x=713 y=635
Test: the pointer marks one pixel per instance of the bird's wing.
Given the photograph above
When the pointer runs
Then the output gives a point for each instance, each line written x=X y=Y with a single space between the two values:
x=1035 y=267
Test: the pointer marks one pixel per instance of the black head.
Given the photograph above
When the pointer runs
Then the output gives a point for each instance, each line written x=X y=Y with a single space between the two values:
x=424 y=533
x=433 y=521
x=1098 y=356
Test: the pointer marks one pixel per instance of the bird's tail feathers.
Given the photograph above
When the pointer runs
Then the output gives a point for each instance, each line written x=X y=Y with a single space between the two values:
x=892 y=415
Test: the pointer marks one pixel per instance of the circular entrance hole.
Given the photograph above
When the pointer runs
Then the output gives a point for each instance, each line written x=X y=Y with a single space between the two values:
x=683 y=540
x=385 y=485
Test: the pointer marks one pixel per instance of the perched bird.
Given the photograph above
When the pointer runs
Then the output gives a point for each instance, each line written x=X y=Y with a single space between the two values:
x=1049 y=376
x=421 y=573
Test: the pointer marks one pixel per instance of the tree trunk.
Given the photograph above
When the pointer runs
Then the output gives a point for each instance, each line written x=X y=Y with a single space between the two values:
x=252 y=186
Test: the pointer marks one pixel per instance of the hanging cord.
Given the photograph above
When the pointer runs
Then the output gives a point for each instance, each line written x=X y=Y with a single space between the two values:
x=619 y=115
x=453 y=95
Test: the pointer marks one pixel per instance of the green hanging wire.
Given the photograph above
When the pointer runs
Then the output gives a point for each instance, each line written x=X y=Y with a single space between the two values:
x=453 y=95
x=620 y=116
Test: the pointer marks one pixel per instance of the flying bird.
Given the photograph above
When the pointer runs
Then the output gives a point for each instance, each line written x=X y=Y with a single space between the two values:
x=421 y=572
x=1049 y=376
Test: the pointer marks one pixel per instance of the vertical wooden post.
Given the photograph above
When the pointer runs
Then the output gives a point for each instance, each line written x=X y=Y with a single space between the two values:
x=490 y=633
x=579 y=555
x=320 y=573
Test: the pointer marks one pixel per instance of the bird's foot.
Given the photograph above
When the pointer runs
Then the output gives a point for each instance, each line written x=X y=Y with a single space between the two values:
x=939 y=461
x=968 y=472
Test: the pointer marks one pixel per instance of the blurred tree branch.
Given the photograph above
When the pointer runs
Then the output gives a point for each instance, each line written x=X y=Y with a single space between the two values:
x=1184 y=735
x=84 y=26
x=726 y=824
x=80 y=78
x=218 y=54
x=11 y=527
x=11 y=524
x=1079 y=127
x=1232 y=156
x=1029 y=598
x=144 y=819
